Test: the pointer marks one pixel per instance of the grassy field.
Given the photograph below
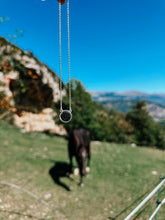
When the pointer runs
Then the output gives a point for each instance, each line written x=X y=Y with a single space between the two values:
x=119 y=178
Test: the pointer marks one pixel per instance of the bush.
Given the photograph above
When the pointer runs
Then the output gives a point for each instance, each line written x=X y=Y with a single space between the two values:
x=4 y=104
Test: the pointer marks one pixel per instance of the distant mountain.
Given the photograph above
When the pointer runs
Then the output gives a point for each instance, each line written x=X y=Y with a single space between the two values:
x=123 y=101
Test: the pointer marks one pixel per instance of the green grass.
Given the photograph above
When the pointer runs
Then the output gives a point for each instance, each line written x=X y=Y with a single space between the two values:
x=119 y=175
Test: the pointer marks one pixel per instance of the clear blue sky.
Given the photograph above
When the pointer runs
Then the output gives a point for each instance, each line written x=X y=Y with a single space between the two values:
x=116 y=45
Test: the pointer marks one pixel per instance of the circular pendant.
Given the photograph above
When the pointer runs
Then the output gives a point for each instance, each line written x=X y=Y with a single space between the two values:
x=65 y=116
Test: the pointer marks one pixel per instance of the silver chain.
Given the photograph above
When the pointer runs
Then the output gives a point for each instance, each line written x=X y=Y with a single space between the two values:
x=60 y=57
x=60 y=62
x=68 y=22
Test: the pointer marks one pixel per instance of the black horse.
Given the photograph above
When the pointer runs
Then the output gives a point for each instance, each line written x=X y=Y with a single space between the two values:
x=79 y=146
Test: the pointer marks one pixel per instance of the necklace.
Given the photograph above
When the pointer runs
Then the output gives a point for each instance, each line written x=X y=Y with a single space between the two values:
x=65 y=115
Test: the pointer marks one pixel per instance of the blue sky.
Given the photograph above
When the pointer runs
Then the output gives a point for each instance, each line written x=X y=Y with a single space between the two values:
x=116 y=45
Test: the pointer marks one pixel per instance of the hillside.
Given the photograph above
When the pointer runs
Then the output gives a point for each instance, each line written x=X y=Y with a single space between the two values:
x=123 y=101
x=38 y=163
x=30 y=87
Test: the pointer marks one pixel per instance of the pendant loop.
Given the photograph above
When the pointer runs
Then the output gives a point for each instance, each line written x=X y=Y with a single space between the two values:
x=65 y=116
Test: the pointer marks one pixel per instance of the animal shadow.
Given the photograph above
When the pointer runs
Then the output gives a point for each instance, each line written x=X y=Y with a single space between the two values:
x=60 y=169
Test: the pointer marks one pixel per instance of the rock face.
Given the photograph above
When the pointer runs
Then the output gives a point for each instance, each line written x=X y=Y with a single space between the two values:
x=29 y=122
x=31 y=86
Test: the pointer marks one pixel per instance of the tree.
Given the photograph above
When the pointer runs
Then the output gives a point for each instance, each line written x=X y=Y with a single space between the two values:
x=113 y=124
x=146 y=130
x=83 y=109
x=103 y=125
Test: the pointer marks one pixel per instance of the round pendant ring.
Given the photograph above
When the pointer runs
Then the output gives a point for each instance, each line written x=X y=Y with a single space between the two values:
x=65 y=116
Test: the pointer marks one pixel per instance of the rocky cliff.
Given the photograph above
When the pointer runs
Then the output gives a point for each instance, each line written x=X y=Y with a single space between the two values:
x=30 y=86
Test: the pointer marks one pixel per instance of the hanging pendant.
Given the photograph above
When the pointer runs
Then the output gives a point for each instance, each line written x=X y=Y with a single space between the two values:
x=65 y=116
x=61 y=1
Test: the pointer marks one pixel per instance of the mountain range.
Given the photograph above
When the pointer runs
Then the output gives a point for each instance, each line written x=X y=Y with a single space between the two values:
x=123 y=101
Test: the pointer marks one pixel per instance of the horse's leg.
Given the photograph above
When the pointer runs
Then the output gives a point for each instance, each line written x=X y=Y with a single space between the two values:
x=81 y=161
x=81 y=176
x=81 y=181
x=88 y=159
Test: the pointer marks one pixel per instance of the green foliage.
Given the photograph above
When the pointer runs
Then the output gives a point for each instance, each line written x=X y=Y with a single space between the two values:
x=2 y=96
x=102 y=124
x=137 y=126
x=17 y=33
x=82 y=107
x=4 y=104
x=162 y=124
x=147 y=132
x=113 y=125
x=3 y=19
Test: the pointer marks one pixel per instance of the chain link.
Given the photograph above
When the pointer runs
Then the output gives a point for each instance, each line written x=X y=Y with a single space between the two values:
x=68 y=21
x=60 y=59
